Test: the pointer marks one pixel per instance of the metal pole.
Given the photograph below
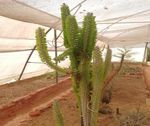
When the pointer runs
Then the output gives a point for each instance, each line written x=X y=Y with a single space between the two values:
x=26 y=63
x=145 y=52
x=55 y=38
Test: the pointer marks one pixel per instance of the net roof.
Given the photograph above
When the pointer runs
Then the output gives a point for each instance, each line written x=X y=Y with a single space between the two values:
x=119 y=23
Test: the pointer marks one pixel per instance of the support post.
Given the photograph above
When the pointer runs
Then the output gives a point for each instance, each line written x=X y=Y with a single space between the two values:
x=26 y=62
x=55 y=39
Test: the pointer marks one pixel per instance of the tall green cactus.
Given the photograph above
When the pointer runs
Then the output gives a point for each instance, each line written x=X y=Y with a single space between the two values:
x=99 y=73
x=97 y=80
x=88 y=42
x=87 y=76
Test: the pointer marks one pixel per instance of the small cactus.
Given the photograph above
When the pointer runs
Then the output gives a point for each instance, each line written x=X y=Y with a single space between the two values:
x=107 y=62
x=57 y=114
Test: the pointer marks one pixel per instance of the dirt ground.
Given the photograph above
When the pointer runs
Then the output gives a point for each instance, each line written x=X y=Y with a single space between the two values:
x=10 y=91
x=128 y=94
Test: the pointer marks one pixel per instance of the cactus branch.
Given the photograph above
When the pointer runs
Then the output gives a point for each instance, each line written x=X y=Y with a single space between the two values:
x=89 y=34
x=84 y=91
x=64 y=13
x=97 y=80
x=62 y=56
x=107 y=63
x=43 y=50
x=113 y=73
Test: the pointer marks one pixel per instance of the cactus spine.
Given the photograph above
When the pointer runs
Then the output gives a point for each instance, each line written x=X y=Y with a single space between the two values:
x=87 y=77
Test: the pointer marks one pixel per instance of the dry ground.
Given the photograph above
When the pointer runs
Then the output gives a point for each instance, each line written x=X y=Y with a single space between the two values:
x=129 y=92
x=14 y=90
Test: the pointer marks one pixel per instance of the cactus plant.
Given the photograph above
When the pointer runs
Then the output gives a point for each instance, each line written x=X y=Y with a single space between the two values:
x=97 y=80
x=87 y=76
x=57 y=114
x=123 y=54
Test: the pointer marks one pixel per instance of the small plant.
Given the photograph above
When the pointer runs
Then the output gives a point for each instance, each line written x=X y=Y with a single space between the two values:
x=135 y=118
x=58 y=115
x=123 y=54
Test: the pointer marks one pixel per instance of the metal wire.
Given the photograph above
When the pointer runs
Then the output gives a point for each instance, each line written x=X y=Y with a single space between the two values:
x=126 y=17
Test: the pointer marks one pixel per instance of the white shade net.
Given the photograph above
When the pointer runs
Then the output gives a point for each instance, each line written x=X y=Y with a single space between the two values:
x=119 y=23
x=111 y=15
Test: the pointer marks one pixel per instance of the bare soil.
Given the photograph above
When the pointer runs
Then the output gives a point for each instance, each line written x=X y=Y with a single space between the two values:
x=129 y=92
x=11 y=91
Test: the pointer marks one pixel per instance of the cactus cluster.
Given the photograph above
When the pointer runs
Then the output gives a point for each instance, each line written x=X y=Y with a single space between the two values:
x=88 y=70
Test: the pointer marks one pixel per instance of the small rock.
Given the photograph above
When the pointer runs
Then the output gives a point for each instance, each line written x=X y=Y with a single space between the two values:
x=34 y=113
x=105 y=110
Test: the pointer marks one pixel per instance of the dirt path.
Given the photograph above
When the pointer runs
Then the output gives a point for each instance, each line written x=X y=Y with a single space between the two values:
x=21 y=118
x=68 y=108
x=24 y=112
x=128 y=93
x=11 y=91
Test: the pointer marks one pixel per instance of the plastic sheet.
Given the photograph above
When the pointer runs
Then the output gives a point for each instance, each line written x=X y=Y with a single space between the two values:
x=120 y=23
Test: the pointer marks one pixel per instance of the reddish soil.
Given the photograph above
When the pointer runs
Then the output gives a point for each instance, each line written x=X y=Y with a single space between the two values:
x=147 y=76
x=129 y=92
x=21 y=105
x=124 y=98
x=11 y=91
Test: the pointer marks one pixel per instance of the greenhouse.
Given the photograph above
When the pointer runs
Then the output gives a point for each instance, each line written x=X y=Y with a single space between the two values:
x=75 y=63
